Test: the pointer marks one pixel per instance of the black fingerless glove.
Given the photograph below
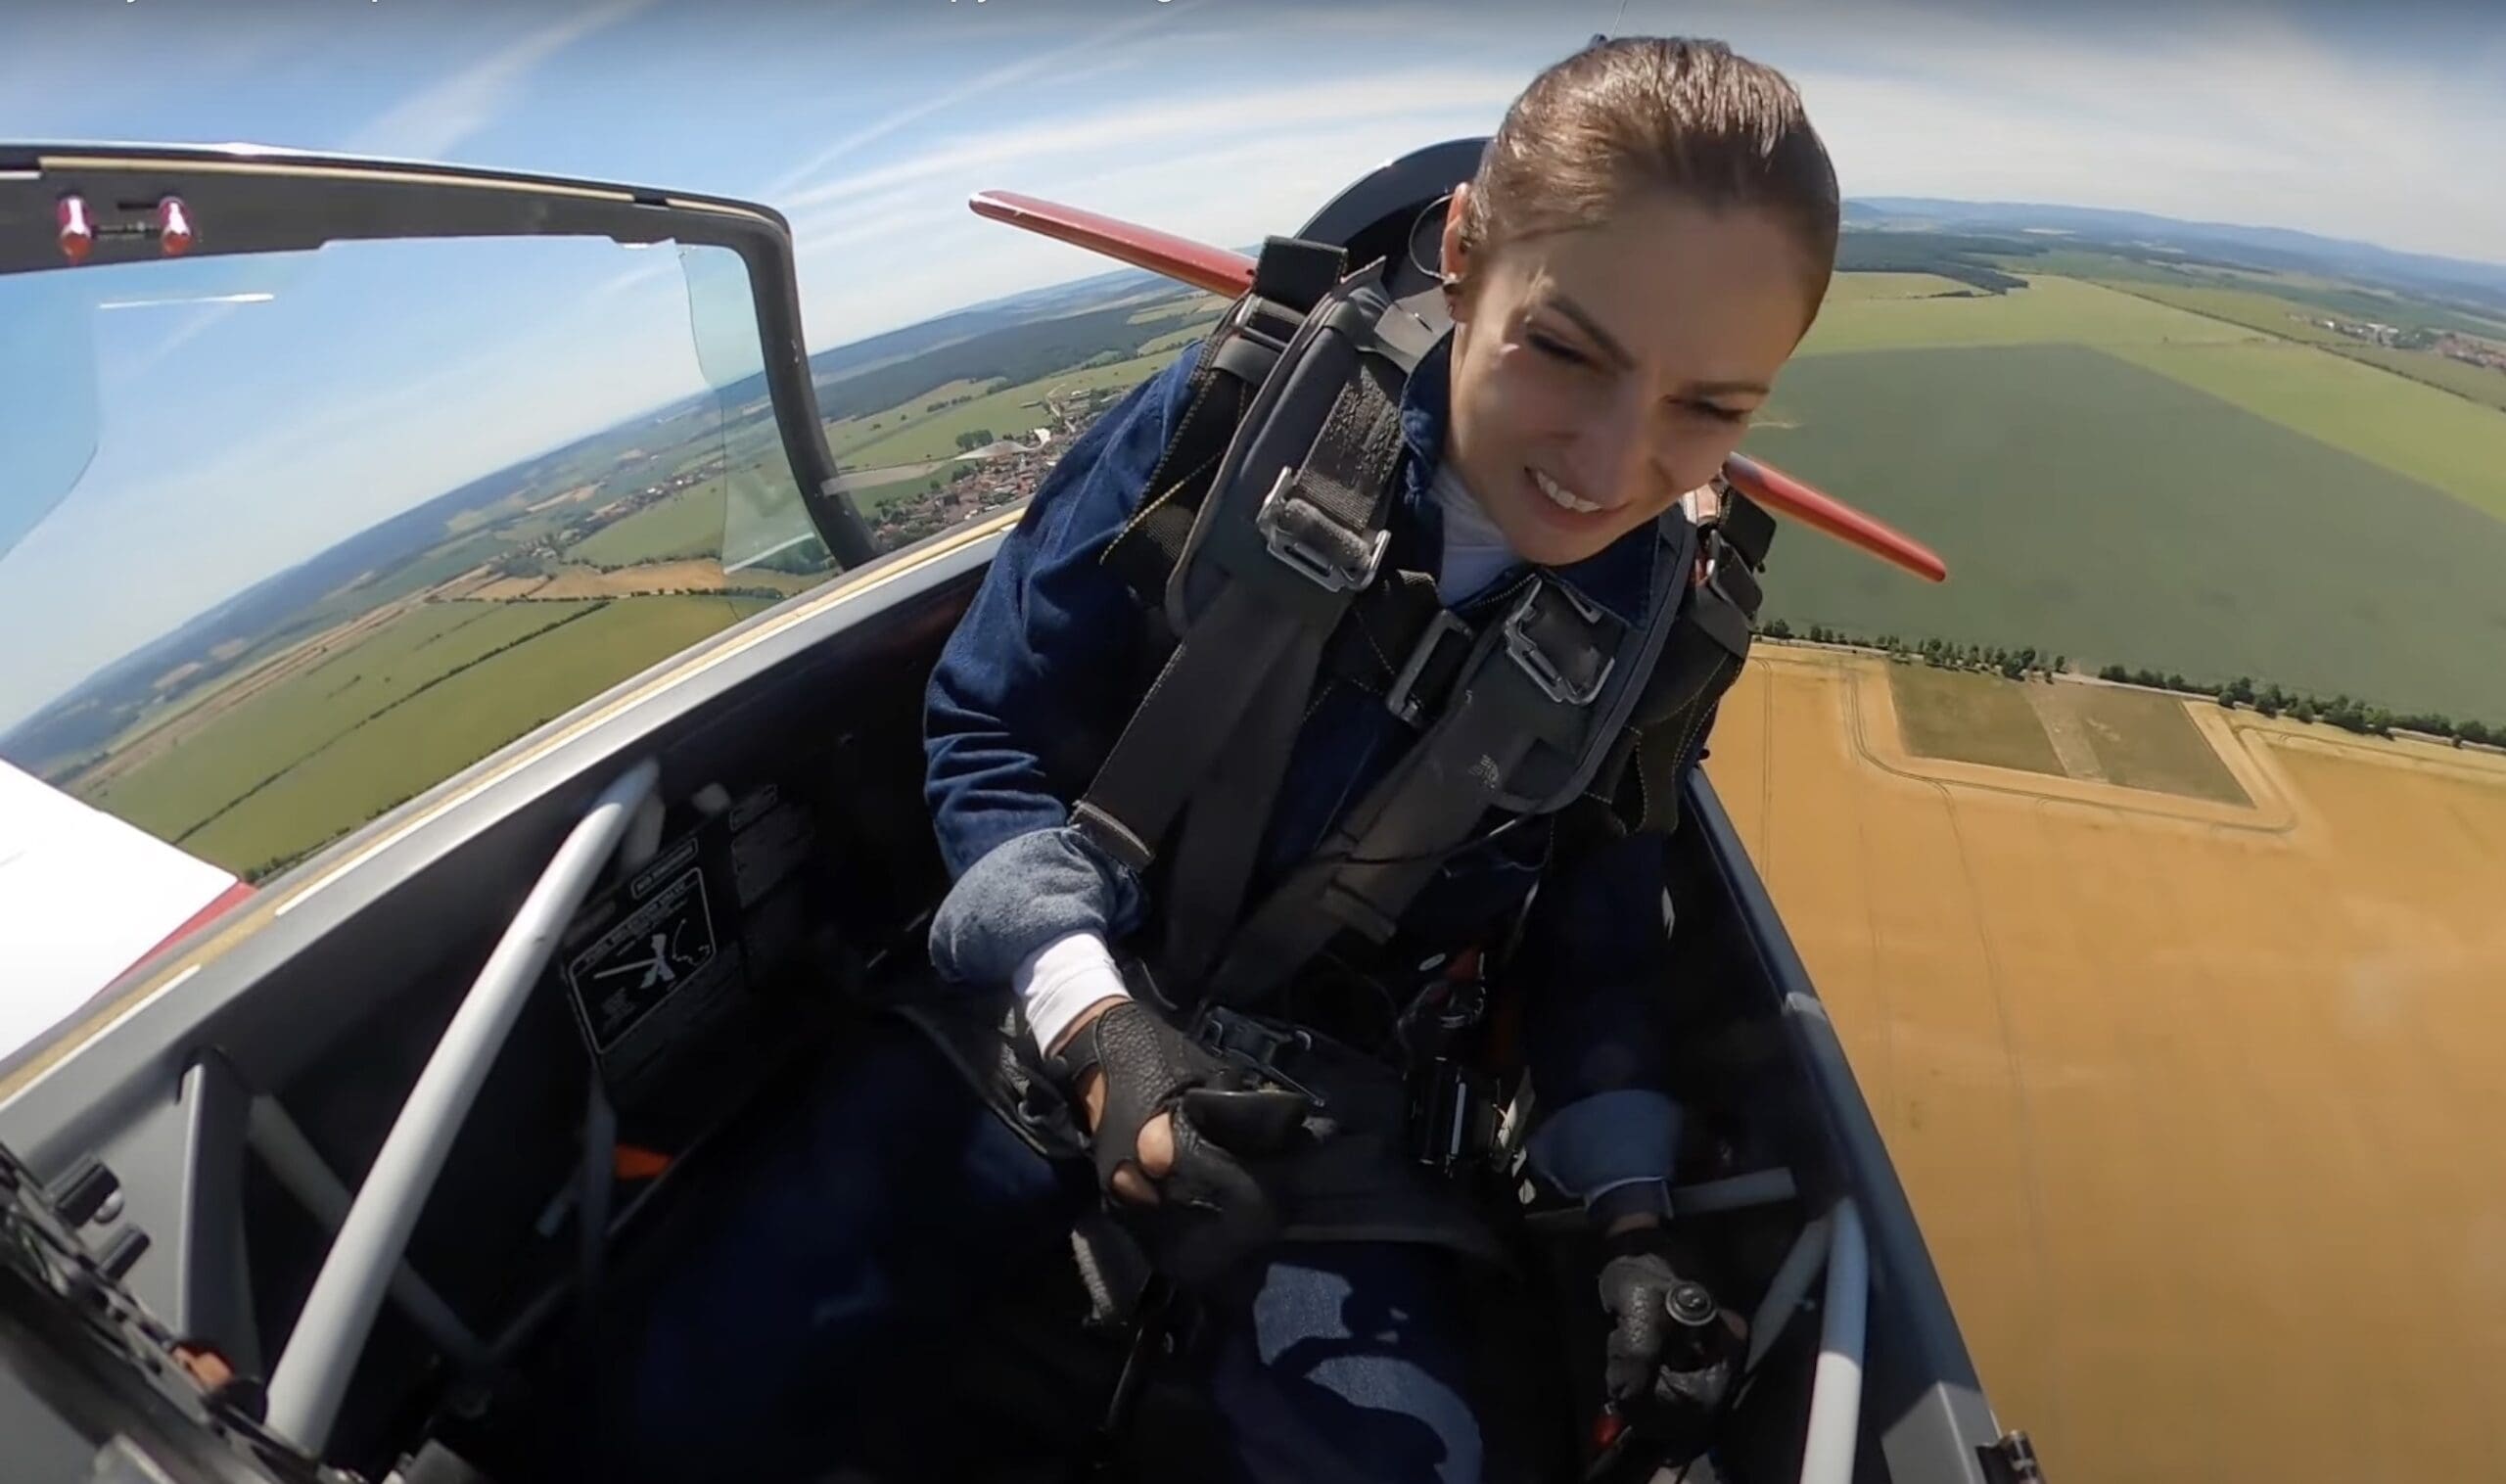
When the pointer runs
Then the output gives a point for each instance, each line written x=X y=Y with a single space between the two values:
x=1673 y=1350
x=1217 y=1203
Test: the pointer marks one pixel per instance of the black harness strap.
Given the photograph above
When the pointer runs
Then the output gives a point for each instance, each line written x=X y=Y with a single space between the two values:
x=1188 y=714
x=1289 y=278
x=1638 y=788
x=1350 y=470
x=1533 y=719
x=1246 y=660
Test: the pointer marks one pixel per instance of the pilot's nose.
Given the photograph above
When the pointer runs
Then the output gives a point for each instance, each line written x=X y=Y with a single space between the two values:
x=1619 y=458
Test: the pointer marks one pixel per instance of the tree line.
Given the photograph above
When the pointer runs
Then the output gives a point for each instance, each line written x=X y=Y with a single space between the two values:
x=2029 y=661
x=2304 y=706
x=2015 y=664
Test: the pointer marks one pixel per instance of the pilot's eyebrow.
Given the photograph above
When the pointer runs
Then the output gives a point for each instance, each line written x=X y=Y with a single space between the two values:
x=1609 y=346
x=1618 y=353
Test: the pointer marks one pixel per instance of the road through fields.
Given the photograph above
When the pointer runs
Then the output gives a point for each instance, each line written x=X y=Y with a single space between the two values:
x=2198 y=1111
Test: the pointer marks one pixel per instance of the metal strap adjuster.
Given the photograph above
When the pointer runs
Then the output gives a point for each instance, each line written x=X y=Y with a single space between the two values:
x=1535 y=662
x=1402 y=700
x=1283 y=510
x=1255 y=1048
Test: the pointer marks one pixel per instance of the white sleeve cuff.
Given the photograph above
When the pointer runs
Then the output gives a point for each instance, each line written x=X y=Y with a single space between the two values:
x=1063 y=978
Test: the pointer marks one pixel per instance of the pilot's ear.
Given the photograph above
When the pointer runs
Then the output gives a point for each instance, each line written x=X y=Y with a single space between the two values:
x=1456 y=259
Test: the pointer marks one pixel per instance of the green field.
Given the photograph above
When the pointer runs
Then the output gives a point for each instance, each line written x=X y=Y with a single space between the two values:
x=409 y=748
x=689 y=524
x=2428 y=434
x=1853 y=287
x=2145 y=740
x=2136 y=738
x=1198 y=305
x=846 y=434
x=1008 y=412
x=2254 y=308
x=1969 y=717
x=1175 y=339
x=2275 y=315
x=2094 y=508
x=2431 y=437
x=2049 y=310
x=2485 y=385
x=237 y=749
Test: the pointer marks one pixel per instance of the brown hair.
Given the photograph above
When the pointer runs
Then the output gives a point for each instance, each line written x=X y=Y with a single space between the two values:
x=1677 y=113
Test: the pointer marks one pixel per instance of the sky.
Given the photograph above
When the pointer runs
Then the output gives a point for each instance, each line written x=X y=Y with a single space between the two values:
x=232 y=439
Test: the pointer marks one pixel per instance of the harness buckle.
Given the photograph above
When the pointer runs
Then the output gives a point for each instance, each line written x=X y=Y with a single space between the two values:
x=1351 y=568
x=1535 y=662
x=1252 y=1047
x=1402 y=700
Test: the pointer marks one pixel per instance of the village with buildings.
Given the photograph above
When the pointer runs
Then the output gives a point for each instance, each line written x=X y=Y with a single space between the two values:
x=993 y=474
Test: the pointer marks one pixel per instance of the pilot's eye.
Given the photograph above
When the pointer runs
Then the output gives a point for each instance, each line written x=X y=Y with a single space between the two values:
x=1558 y=350
x=1735 y=416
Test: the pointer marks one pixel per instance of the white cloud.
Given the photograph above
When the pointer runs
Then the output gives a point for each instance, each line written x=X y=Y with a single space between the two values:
x=881 y=255
x=435 y=120
x=2242 y=117
x=1090 y=52
x=1177 y=125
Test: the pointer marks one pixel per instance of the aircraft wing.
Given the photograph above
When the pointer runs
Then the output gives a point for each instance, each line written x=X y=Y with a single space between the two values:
x=85 y=896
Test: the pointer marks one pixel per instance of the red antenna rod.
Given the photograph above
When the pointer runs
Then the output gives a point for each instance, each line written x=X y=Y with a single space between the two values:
x=1200 y=264
x=1219 y=271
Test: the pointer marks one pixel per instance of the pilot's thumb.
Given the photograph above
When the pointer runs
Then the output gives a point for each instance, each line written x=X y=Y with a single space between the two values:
x=1262 y=1121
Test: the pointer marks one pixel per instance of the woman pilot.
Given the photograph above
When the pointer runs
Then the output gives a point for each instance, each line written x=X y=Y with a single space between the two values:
x=1646 y=239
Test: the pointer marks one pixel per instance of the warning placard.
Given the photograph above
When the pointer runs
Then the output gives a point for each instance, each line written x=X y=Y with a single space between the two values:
x=654 y=952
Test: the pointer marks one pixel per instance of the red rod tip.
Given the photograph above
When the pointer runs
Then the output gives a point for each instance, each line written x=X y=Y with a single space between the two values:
x=78 y=233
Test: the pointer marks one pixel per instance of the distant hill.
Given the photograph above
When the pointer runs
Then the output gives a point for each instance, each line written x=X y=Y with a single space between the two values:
x=1123 y=286
x=2478 y=285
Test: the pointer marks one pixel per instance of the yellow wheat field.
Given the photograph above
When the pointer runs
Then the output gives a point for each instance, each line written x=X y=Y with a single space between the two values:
x=2203 y=1109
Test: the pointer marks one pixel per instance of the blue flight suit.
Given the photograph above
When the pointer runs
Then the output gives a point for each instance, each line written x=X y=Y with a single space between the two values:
x=821 y=1325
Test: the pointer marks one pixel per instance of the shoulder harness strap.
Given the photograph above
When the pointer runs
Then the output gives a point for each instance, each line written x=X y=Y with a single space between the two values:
x=1287 y=526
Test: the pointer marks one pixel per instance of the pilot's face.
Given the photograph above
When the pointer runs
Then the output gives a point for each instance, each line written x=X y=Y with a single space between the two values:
x=1600 y=373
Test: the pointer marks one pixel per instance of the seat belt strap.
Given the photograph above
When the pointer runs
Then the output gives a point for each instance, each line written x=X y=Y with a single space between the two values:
x=1323 y=520
x=1226 y=822
x=1210 y=680
x=1535 y=683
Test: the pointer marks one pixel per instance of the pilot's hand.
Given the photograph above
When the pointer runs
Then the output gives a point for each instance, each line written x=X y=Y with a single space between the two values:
x=1672 y=1348
x=1155 y=1146
x=1195 y=1136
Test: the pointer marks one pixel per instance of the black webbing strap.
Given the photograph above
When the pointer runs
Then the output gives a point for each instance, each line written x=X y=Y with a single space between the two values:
x=1255 y=646
x=1637 y=787
x=1341 y=497
x=1745 y=526
x=1400 y=644
x=1332 y=512
x=1289 y=278
x=1210 y=680
x=1385 y=850
x=1294 y=272
x=1221 y=836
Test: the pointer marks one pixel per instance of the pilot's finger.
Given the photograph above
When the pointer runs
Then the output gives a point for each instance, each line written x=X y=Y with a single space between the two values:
x=1129 y=1186
x=1157 y=1145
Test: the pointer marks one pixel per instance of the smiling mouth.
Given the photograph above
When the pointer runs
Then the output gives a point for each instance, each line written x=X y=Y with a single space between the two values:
x=1561 y=496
